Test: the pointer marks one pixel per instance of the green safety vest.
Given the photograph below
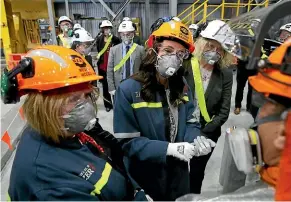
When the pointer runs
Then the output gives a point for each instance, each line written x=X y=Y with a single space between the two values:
x=64 y=41
x=117 y=67
x=199 y=89
x=105 y=47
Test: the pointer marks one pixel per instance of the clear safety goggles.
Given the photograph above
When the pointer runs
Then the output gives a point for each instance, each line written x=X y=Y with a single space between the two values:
x=69 y=25
x=167 y=50
x=91 y=94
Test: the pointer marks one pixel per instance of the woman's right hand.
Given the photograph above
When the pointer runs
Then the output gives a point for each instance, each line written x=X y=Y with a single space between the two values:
x=182 y=150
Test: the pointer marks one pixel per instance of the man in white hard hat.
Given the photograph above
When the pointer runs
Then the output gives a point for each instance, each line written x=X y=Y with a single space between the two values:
x=66 y=27
x=103 y=43
x=125 y=58
x=285 y=33
x=136 y=39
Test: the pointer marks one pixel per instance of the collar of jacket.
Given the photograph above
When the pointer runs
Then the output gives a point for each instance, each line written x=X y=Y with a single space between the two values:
x=70 y=142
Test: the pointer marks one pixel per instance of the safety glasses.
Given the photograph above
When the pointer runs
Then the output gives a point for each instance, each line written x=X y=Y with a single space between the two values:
x=168 y=50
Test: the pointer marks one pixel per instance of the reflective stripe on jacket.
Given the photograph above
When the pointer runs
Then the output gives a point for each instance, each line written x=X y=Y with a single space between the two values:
x=69 y=171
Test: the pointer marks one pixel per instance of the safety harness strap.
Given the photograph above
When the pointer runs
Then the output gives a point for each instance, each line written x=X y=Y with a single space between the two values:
x=199 y=89
x=117 y=67
x=105 y=47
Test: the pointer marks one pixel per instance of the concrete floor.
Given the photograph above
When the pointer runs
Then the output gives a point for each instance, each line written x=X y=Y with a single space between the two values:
x=211 y=186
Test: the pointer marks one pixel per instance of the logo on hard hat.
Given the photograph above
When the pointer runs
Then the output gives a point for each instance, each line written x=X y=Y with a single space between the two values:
x=184 y=30
x=78 y=61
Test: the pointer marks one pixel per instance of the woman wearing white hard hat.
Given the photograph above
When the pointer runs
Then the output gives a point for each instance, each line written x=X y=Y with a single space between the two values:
x=125 y=58
x=211 y=84
x=104 y=42
x=66 y=27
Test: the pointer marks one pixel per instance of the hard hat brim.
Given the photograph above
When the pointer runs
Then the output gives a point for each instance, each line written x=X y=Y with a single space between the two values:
x=60 y=84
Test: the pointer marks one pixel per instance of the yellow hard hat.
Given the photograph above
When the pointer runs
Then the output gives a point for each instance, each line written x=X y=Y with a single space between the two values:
x=176 y=30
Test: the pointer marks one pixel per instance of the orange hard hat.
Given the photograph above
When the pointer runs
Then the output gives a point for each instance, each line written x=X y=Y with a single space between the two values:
x=56 y=67
x=273 y=80
x=176 y=30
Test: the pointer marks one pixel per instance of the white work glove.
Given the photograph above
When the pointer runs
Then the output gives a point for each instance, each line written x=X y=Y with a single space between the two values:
x=183 y=151
x=203 y=146
x=112 y=92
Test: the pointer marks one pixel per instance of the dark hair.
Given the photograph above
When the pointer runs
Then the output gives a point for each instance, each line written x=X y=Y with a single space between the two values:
x=150 y=84
x=75 y=44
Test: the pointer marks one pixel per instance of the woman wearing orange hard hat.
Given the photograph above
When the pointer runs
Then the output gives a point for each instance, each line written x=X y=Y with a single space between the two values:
x=153 y=115
x=63 y=154
x=265 y=148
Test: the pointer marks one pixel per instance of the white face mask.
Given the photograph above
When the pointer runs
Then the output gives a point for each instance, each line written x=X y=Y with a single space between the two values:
x=168 y=65
x=82 y=117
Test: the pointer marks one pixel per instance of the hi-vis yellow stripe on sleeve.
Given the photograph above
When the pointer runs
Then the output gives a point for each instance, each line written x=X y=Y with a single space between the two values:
x=147 y=104
x=103 y=180
x=8 y=197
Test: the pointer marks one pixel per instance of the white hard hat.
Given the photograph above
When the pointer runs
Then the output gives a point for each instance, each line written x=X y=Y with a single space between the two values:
x=193 y=26
x=81 y=35
x=286 y=27
x=106 y=23
x=176 y=19
x=126 y=19
x=126 y=26
x=222 y=33
x=77 y=26
x=64 y=18
x=212 y=28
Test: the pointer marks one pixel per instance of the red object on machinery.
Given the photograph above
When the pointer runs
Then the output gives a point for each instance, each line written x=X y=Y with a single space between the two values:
x=14 y=59
x=283 y=187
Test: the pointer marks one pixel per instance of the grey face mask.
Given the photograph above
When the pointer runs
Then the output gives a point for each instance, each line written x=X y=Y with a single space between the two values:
x=81 y=118
x=168 y=65
x=211 y=57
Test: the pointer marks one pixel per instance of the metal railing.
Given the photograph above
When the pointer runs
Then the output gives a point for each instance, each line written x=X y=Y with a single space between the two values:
x=200 y=12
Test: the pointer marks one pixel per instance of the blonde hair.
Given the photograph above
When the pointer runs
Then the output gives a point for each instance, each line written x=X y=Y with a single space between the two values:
x=43 y=113
x=226 y=61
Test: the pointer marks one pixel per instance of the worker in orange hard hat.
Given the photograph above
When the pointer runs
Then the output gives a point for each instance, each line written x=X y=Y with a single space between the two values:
x=266 y=148
x=153 y=115
x=63 y=154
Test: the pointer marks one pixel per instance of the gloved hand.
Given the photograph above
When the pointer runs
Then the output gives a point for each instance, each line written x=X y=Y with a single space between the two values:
x=183 y=151
x=203 y=145
x=112 y=92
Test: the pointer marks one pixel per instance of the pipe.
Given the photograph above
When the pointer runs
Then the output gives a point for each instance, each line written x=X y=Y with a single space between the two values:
x=67 y=8
x=121 y=9
x=104 y=6
x=52 y=21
